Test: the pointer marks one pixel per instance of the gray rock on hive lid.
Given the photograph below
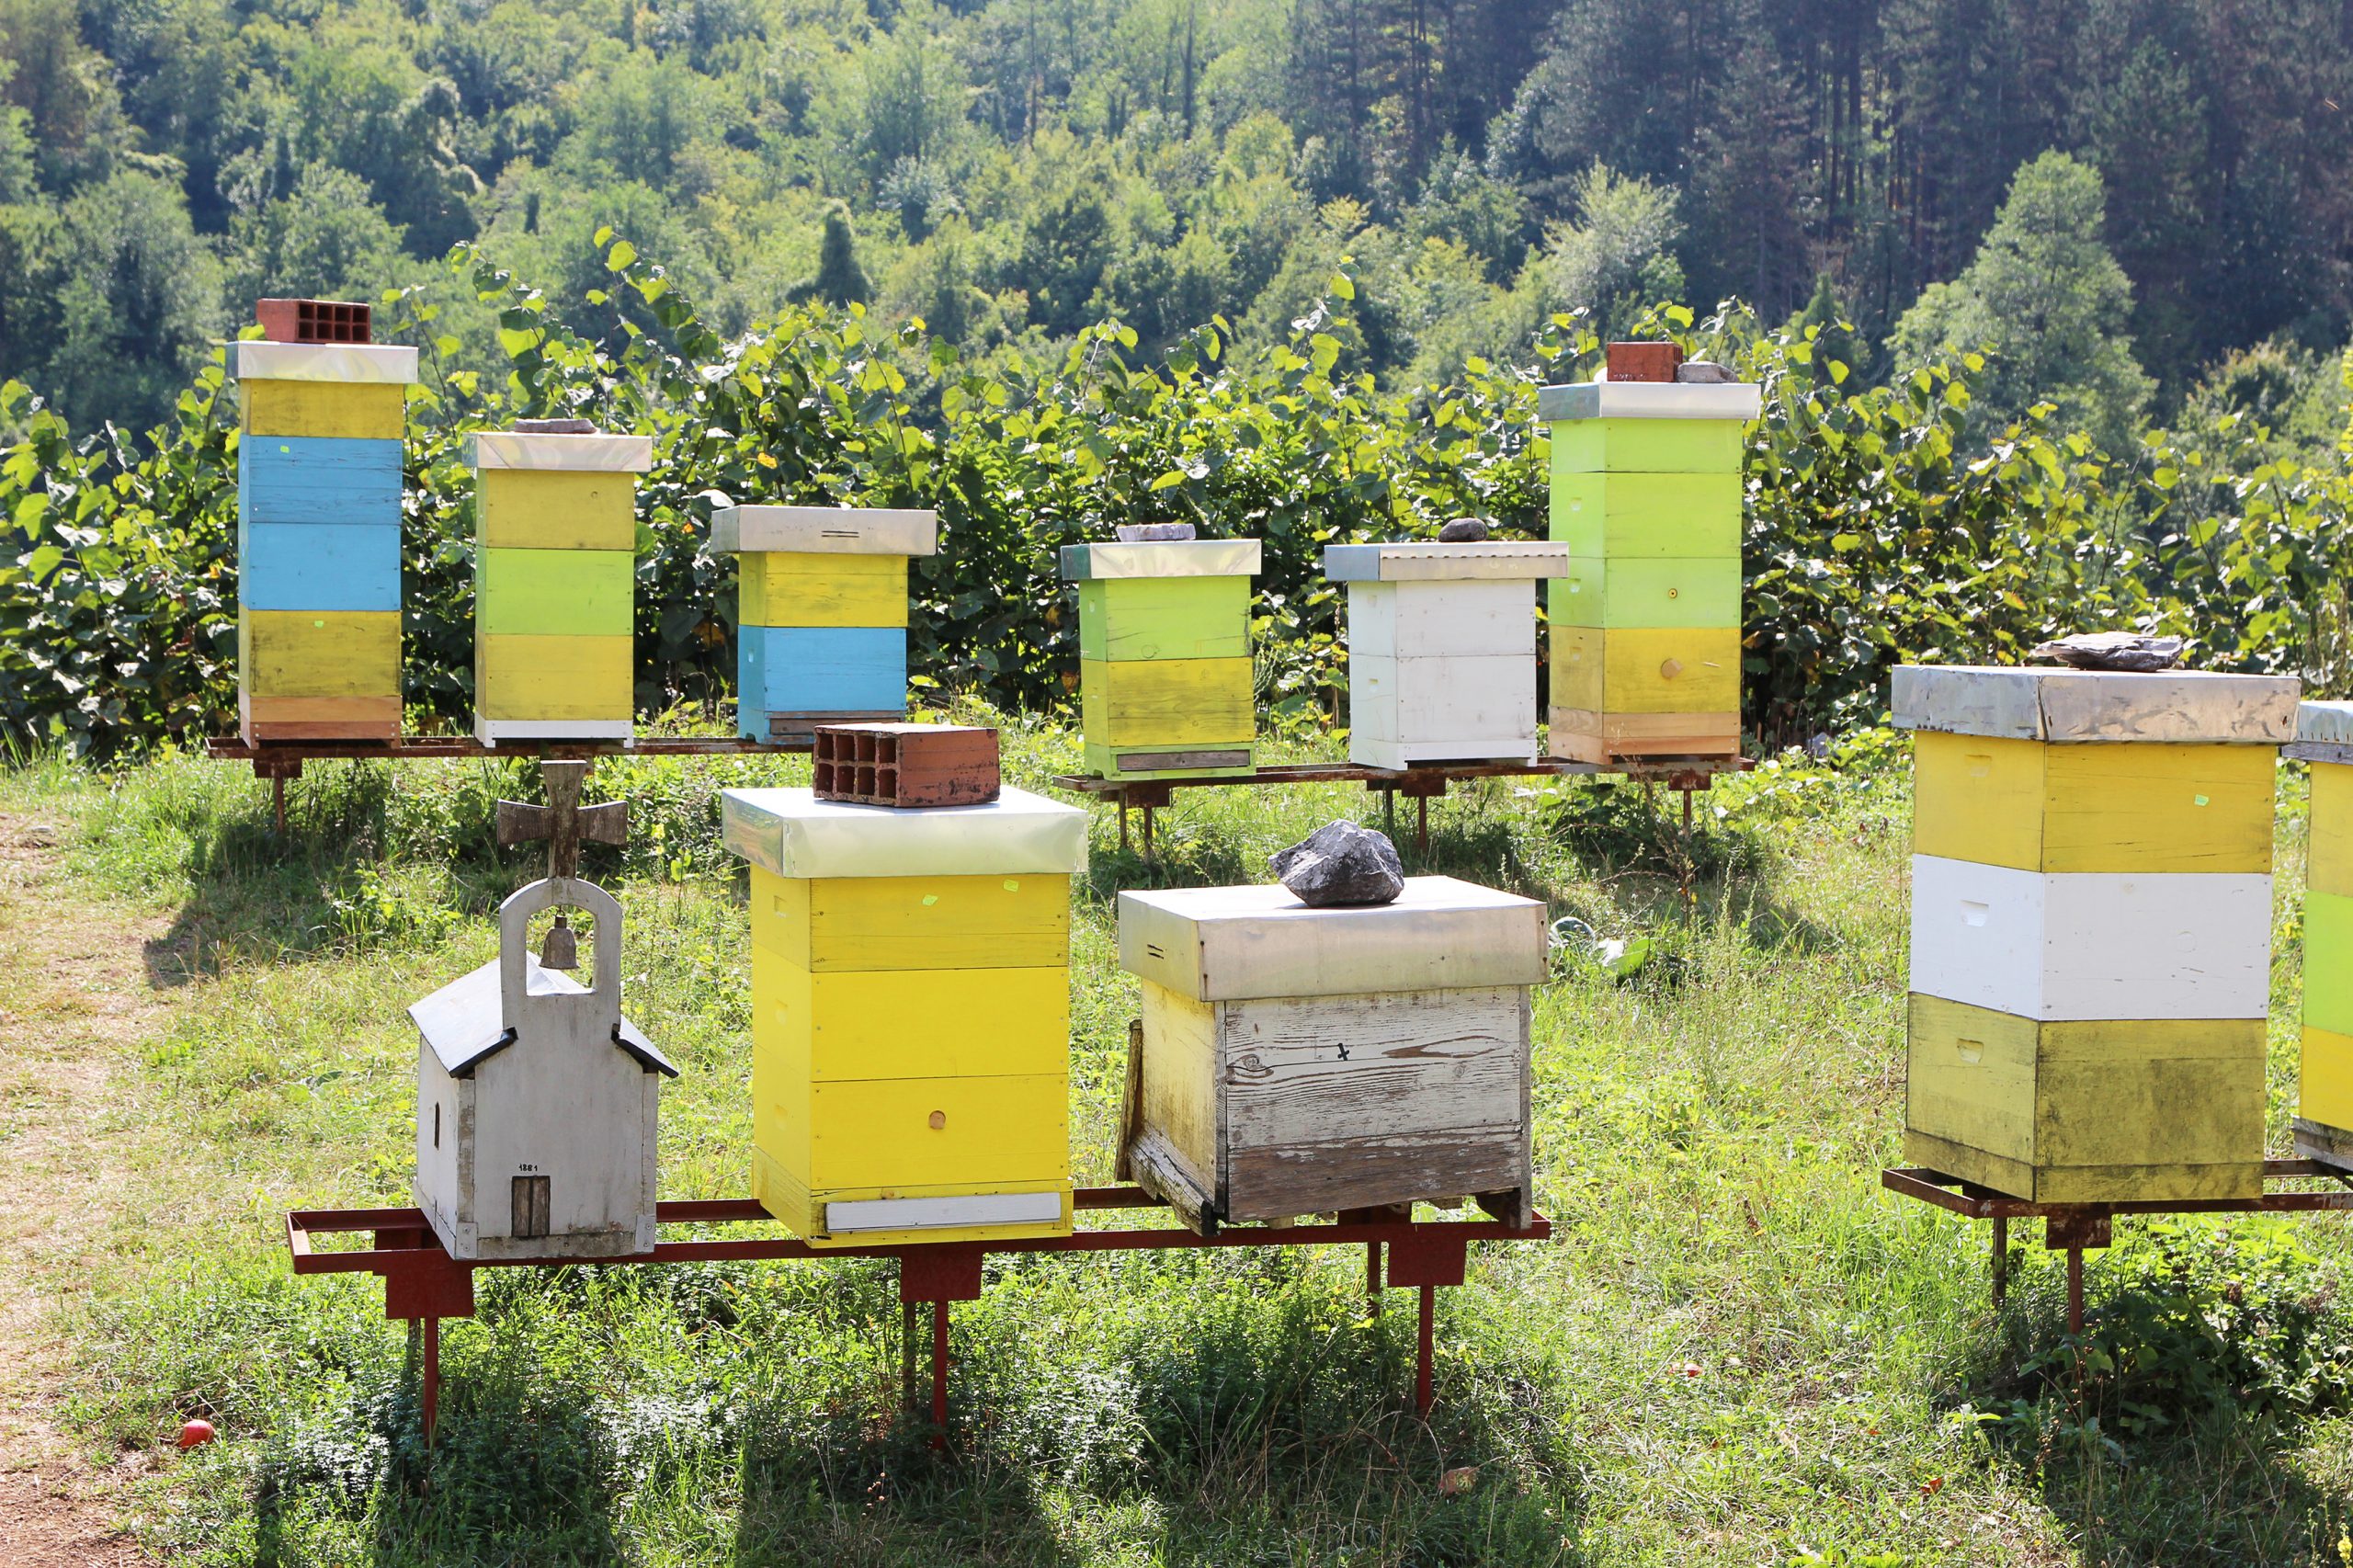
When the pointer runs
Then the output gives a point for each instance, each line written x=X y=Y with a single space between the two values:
x=1464 y=530
x=1704 y=370
x=1341 y=863
x=554 y=427
x=1153 y=533
x=2113 y=650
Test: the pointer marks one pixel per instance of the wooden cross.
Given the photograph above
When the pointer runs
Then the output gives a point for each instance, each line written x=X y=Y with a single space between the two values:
x=563 y=822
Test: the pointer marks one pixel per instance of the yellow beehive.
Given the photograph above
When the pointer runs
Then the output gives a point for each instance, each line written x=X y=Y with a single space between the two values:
x=910 y=1023
x=2091 y=923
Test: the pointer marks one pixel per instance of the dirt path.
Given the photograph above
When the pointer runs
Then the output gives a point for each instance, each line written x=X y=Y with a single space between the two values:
x=74 y=1002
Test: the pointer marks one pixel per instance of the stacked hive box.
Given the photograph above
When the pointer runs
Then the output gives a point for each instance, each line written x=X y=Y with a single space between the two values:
x=1442 y=649
x=2091 y=928
x=555 y=571
x=1646 y=627
x=1164 y=675
x=911 y=1024
x=2324 y=1105
x=1300 y=1061
x=319 y=539
x=821 y=613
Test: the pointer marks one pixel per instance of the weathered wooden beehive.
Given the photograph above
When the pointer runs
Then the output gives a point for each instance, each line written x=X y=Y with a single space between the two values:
x=1163 y=639
x=555 y=573
x=1298 y=1060
x=1442 y=648
x=2324 y=1127
x=911 y=1014
x=2091 y=928
x=537 y=1101
x=821 y=612
x=319 y=537
x=1646 y=627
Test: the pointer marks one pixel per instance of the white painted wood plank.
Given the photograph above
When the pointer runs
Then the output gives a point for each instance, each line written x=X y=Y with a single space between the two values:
x=364 y=363
x=490 y=731
x=1427 y=560
x=849 y=1216
x=2081 y=944
x=590 y=453
x=793 y=833
x=1649 y=400
x=1161 y=558
x=825 y=530
x=1427 y=619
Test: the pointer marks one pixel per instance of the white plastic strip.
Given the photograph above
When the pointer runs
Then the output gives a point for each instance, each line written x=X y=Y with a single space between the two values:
x=569 y=454
x=1650 y=400
x=1430 y=561
x=1164 y=558
x=823 y=530
x=939 y=1213
x=375 y=364
x=2181 y=706
x=490 y=731
x=793 y=833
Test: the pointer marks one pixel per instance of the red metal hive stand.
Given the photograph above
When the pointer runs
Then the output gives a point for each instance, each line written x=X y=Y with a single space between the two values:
x=423 y=1284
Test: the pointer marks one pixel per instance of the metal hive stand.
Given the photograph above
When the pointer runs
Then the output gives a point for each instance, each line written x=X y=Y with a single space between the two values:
x=424 y=1284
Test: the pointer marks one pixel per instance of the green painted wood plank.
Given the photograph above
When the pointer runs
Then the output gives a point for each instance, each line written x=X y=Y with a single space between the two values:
x=1647 y=514
x=1648 y=446
x=1163 y=617
x=555 y=593
x=1635 y=590
x=2328 y=961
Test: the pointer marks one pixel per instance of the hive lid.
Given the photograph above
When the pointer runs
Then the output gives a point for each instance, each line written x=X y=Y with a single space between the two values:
x=2324 y=723
x=566 y=454
x=793 y=833
x=823 y=530
x=1649 y=400
x=464 y=1025
x=1161 y=558
x=1423 y=561
x=2085 y=706
x=376 y=364
x=1229 y=944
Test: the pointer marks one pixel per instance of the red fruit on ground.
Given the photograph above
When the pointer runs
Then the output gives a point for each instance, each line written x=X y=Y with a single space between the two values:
x=196 y=1433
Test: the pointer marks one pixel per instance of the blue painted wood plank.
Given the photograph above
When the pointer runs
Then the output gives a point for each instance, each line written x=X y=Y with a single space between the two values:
x=319 y=565
x=817 y=669
x=318 y=479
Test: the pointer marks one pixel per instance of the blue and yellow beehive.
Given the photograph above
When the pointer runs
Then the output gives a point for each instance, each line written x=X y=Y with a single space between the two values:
x=319 y=539
x=1165 y=677
x=911 y=1014
x=821 y=611
x=1645 y=628
x=555 y=579
x=2325 y=1102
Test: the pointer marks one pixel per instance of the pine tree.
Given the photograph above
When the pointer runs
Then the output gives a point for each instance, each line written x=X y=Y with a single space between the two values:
x=840 y=278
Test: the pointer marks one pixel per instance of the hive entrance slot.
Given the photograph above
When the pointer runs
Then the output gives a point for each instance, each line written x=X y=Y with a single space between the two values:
x=531 y=1202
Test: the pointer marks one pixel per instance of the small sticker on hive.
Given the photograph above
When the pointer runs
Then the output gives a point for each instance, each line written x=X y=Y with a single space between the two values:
x=929 y=899
x=2200 y=798
x=1014 y=885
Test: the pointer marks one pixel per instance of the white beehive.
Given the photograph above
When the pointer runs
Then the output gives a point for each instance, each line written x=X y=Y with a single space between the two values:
x=537 y=1101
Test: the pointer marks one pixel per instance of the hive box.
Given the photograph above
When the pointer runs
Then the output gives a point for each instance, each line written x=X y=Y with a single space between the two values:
x=2091 y=928
x=2324 y=1126
x=1442 y=648
x=320 y=429
x=537 y=1100
x=1164 y=647
x=555 y=569
x=1646 y=627
x=911 y=1014
x=821 y=613
x=1300 y=1061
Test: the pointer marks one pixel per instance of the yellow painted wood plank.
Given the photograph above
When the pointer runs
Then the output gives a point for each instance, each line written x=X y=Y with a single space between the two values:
x=2150 y=808
x=553 y=678
x=364 y=410
x=1970 y=1077
x=1167 y=703
x=2164 y=1183
x=895 y=1133
x=319 y=653
x=2329 y=868
x=797 y=588
x=1180 y=1078
x=1977 y=799
x=911 y=1023
x=532 y=509
x=2325 y=1077
x=1646 y=669
x=913 y=923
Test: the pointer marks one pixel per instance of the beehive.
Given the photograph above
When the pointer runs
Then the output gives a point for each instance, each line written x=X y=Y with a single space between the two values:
x=319 y=539
x=2323 y=1127
x=1164 y=651
x=1300 y=1061
x=2091 y=928
x=1442 y=648
x=821 y=612
x=555 y=573
x=911 y=1014
x=537 y=1100
x=1645 y=625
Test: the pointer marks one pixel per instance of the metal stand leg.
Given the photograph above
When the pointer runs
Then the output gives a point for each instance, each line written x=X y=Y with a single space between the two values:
x=2075 y=1289
x=1147 y=832
x=1123 y=822
x=1372 y=1279
x=1685 y=867
x=907 y=1357
x=430 y=1399
x=1425 y=1352
x=1422 y=823
x=939 y=1374
x=278 y=802
x=2001 y=1261
x=1389 y=813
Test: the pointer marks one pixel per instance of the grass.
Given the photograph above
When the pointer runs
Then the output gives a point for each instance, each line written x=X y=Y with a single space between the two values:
x=1737 y=1351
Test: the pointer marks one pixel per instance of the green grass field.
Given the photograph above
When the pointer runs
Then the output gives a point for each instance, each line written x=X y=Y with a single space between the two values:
x=1736 y=1350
